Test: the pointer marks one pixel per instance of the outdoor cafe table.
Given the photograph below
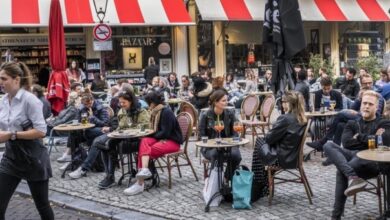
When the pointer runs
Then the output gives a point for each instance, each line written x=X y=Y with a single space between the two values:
x=224 y=151
x=320 y=125
x=73 y=129
x=382 y=157
x=124 y=135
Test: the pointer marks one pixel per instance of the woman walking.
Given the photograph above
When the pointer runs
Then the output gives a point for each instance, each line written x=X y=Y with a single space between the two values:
x=22 y=126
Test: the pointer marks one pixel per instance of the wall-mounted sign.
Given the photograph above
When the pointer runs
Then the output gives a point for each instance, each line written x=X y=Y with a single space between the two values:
x=132 y=58
x=137 y=41
x=102 y=32
x=164 y=48
x=102 y=45
x=9 y=40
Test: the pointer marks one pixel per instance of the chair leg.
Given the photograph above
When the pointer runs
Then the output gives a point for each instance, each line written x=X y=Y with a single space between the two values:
x=178 y=166
x=192 y=168
x=196 y=151
x=270 y=186
x=159 y=164
x=354 y=199
x=305 y=183
x=205 y=170
x=379 y=193
x=169 y=173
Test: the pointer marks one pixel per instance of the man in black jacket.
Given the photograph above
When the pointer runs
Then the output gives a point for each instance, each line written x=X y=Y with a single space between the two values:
x=351 y=170
x=349 y=86
x=327 y=91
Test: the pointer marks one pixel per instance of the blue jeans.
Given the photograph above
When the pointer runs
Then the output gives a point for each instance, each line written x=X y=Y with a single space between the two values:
x=93 y=152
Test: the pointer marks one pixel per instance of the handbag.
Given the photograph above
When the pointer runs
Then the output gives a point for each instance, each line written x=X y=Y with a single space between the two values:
x=268 y=154
x=211 y=186
x=242 y=188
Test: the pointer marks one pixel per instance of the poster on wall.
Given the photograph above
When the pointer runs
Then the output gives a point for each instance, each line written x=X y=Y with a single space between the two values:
x=165 y=65
x=132 y=58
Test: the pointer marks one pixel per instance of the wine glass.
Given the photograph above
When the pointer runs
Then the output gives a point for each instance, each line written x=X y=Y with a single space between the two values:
x=219 y=126
x=238 y=128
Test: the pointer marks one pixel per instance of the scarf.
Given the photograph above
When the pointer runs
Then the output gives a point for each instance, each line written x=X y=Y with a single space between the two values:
x=155 y=117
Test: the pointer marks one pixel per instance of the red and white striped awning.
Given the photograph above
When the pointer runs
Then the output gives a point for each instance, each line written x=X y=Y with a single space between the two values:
x=311 y=10
x=82 y=12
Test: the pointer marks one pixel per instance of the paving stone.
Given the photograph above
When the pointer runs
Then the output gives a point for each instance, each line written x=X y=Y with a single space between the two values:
x=185 y=200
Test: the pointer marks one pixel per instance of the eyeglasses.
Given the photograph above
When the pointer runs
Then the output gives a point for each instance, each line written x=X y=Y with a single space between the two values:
x=367 y=83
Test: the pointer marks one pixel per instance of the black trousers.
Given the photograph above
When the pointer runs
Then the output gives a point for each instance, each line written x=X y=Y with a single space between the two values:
x=211 y=154
x=39 y=191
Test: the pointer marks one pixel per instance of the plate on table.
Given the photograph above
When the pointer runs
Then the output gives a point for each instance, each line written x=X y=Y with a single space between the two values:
x=77 y=124
x=62 y=125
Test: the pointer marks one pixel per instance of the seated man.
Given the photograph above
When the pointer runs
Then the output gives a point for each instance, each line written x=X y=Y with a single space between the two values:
x=97 y=114
x=350 y=169
x=327 y=92
x=336 y=128
x=349 y=86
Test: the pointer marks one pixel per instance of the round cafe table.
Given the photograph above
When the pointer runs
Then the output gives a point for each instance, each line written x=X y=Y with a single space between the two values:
x=320 y=120
x=224 y=151
x=73 y=129
x=127 y=135
x=382 y=157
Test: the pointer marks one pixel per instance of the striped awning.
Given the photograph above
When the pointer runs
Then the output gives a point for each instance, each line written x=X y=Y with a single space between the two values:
x=311 y=10
x=83 y=13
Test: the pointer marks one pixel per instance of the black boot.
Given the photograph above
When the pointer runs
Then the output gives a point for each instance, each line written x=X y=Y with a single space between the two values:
x=107 y=182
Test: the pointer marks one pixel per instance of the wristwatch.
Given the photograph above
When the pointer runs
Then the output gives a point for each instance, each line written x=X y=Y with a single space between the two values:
x=13 y=135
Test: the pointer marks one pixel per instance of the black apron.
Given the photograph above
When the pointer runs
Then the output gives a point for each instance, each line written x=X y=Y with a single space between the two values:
x=26 y=159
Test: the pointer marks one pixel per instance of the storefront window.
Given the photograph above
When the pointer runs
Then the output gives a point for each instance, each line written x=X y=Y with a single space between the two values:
x=132 y=46
x=205 y=45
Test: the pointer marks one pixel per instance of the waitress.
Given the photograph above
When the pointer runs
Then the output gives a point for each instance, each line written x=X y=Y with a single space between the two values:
x=21 y=128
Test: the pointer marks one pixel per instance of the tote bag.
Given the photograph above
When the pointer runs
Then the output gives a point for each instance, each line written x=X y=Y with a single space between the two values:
x=242 y=188
x=211 y=186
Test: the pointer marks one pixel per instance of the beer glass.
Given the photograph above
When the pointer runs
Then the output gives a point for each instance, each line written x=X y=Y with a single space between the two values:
x=371 y=142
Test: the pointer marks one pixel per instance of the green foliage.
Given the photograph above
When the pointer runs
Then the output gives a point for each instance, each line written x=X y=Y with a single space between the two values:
x=316 y=62
x=372 y=64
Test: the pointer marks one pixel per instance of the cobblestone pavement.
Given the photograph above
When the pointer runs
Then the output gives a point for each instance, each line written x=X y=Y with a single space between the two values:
x=21 y=207
x=185 y=201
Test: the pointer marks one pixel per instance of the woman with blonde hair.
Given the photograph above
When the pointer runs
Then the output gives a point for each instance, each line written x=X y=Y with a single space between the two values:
x=286 y=133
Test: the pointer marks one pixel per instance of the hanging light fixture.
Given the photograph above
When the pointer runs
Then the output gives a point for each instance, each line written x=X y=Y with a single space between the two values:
x=101 y=13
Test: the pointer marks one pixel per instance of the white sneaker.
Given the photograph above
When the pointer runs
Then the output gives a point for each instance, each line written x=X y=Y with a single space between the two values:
x=77 y=173
x=64 y=158
x=63 y=167
x=134 y=189
x=144 y=173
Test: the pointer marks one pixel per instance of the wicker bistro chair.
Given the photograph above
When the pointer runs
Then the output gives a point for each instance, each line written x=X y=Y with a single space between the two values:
x=249 y=107
x=274 y=171
x=190 y=109
x=186 y=125
x=374 y=189
x=266 y=109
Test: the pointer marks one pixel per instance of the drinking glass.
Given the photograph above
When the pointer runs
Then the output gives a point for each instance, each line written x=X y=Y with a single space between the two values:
x=84 y=118
x=371 y=142
x=238 y=128
x=219 y=126
x=332 y=105
x=129 y=122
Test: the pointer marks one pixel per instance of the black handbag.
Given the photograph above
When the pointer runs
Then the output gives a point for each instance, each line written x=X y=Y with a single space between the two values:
x=268 y=154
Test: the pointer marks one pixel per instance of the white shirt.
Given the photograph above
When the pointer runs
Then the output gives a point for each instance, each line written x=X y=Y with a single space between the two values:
x=24 y=105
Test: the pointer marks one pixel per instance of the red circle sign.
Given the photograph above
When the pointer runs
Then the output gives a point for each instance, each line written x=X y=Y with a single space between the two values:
x=102 y=32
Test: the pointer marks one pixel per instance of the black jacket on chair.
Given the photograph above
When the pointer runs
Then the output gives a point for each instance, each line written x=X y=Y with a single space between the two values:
x=285 y=136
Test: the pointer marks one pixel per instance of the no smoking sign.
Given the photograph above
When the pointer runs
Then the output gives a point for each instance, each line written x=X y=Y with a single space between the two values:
x=102 y=32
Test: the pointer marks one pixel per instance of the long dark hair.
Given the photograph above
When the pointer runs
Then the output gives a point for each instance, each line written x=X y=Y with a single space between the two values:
x=129 y=95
